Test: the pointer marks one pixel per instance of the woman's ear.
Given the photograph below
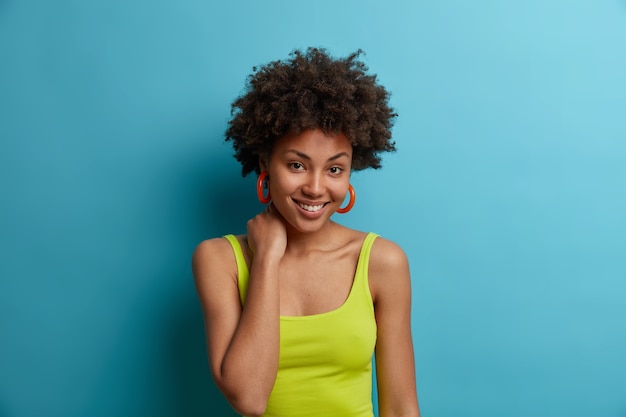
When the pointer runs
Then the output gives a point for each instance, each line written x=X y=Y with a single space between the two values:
x=263 y=163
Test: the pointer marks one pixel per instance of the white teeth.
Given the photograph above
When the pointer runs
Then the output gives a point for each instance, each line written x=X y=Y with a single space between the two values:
x=311 y=208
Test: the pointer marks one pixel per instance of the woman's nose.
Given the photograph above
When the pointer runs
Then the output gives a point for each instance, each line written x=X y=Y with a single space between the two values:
x=314 y=185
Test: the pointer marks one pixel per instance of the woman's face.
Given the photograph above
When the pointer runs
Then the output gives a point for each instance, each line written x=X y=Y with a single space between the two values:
x=309 y=174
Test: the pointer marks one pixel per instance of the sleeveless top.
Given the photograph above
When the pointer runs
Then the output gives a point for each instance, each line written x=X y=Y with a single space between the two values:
x=325 y=360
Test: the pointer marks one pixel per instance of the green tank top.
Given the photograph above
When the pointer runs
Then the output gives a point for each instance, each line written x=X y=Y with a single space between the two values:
x=325 y=360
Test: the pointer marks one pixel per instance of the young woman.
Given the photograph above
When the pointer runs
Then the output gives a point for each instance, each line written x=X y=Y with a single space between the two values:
x=295 y=309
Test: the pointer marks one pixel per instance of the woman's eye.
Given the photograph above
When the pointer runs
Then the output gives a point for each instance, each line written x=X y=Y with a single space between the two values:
x=296 y=165
x=335 y=170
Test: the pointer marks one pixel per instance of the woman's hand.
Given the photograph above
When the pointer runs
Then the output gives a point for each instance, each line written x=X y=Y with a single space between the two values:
x=267 y=234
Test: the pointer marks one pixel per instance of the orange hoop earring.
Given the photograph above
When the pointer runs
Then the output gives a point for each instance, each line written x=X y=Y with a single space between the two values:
x=259 y=188
x=347 y=208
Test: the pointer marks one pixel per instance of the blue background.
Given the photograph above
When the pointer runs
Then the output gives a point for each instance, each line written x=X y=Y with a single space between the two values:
x=508 y=194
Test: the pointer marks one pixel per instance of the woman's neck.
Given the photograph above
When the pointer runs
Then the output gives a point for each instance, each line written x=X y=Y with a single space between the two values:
x=323 y=239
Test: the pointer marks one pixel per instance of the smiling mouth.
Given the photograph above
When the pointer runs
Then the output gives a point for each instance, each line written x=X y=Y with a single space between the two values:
x=310 y=208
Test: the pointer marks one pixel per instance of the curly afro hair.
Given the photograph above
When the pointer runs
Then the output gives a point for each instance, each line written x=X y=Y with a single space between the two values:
x=312 y=90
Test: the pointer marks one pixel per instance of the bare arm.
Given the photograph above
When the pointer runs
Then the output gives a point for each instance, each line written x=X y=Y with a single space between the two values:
x=395 y=367
x=243 y=344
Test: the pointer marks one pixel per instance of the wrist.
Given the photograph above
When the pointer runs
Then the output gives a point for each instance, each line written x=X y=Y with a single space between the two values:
x=264 y=260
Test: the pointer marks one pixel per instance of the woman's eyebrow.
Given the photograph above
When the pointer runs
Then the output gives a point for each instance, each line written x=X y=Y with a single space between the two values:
x=339 y=155
x=308 y=158
x=300 y=154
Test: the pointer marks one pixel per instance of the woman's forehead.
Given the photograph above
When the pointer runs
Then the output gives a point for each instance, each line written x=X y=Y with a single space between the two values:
x=314 y=143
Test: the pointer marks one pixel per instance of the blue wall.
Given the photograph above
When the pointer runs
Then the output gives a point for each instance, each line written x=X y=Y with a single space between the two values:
x=508 y=193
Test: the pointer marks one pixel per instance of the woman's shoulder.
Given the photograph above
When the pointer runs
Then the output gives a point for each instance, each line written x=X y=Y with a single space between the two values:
x=388 y=263
x=215 y=256
x=211 y=248
x=219 y=245
x=385 y=251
